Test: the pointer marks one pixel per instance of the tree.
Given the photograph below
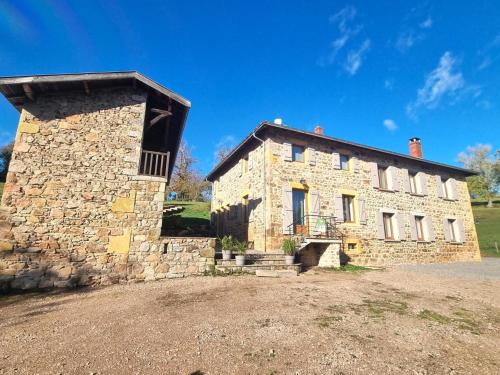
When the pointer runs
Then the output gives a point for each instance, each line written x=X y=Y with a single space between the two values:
x=480 y=159
x=221 y=152
x=187 y=181
x=5 y=156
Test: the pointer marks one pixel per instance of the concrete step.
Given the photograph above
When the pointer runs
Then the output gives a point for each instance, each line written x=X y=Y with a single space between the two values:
x=263 y=262
x=276 y=273
x=259 y=256
x=252 y=268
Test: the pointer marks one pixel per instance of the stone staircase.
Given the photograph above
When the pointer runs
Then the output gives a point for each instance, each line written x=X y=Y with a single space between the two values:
x=256 y=262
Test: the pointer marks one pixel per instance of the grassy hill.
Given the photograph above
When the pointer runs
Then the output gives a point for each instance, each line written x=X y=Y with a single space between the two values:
x=488 y=229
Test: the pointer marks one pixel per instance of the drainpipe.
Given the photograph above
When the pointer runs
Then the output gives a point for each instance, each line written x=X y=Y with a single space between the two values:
x=264 y=190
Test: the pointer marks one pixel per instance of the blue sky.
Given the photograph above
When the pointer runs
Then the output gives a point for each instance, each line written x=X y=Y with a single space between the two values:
x=373 y=72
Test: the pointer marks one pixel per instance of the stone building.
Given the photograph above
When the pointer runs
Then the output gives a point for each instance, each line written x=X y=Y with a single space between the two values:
x=374 y=206
x=83 y=200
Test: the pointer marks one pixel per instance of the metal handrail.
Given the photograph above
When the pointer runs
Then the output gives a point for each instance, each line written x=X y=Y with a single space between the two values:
x=317 y=226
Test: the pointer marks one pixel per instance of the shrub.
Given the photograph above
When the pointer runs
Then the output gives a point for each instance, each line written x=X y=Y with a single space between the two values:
x=240 y=247
x=227 y=242
x=289 y=246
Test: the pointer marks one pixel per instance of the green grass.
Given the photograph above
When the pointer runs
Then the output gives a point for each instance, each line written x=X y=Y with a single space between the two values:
x=350 y=268
x=195 y=218
x=488 y=229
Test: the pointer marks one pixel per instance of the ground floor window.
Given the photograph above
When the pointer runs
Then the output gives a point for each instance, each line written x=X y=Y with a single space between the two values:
x=348 y=208
x=452 y=230
x=388 y=219
x=419 y=227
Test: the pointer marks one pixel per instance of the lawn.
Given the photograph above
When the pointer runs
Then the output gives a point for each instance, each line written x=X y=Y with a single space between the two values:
x=488 y=229
x=193 y=220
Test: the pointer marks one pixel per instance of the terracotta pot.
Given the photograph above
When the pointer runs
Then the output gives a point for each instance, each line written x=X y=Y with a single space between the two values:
x=240 y=260
x=289 y=259
x=227 y=254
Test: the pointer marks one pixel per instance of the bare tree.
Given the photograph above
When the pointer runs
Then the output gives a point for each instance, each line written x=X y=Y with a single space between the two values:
x=480 y=159
x=222 y=151
x=187 y=181
x=5 y=156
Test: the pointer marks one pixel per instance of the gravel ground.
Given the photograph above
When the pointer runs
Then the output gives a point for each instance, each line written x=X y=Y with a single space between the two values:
x=396 y=321
x=487 y=269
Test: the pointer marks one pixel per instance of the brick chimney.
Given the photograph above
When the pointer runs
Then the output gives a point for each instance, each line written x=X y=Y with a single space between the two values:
x=318 y=130
x=415 y=147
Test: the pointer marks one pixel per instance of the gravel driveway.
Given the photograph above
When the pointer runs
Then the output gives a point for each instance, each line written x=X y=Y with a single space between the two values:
x=487 y=269
x=397 y=321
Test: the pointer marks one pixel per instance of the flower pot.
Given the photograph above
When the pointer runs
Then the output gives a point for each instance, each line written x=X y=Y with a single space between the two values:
x=227 y=254
x=240 y=260
x=289 y=259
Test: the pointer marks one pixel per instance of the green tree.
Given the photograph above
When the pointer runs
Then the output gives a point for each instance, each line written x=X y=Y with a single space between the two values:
x=481 y=160
x=5 y=156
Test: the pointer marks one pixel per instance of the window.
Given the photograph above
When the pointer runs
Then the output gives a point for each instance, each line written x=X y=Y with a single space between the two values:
x=451 y=228
x=413 y=183
x=348 y=208
x=344 y=162
x=388 y=225
x=298 y=153
x=352 y=246
x=244 y=209
x=419 y=227
x=382 y=178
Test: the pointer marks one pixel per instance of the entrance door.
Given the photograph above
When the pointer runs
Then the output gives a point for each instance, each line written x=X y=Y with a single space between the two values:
x=299 y=210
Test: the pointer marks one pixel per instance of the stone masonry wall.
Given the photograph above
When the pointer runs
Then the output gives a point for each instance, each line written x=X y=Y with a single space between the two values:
x=74 y=211
x=329 y=182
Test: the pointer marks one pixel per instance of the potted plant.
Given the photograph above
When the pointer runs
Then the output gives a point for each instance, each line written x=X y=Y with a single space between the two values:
x=227 y=243
x=240 y=248
x=289 y=246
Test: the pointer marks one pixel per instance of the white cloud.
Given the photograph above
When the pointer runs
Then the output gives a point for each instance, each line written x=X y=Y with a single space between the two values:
x=444 y=81
x=390 y=125
x=347 y=31
x=490 y=53
x=355 y=58
x=427 y=24
x=389 y=84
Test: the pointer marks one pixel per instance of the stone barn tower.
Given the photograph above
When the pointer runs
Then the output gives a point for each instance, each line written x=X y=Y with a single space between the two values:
x=83 y=200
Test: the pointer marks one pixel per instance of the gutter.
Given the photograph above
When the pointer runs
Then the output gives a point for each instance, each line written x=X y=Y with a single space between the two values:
x=264 y=195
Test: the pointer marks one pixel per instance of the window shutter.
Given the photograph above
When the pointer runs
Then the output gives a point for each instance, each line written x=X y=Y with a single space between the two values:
x=461 y=231
x=374 y=174
x=380 y=226
x=336 y=160
x=439 y=186
x=406 y=181
x=446 y=230
x=287 y=211
x=312 y=156
x=287 y=151
x=393 y=171
x=314 y=208
x=362 y=211
x=430 y=230
x=250 y=161
x=401 y=226
x=339 y=211
x=453 y=188
x=413 y=228
x=355 y=164
x=250 y=207
x=422 y=182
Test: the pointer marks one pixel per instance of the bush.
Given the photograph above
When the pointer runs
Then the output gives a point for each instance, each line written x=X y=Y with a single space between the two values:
x=240 y=247
x=289 y=246
x=227 y=242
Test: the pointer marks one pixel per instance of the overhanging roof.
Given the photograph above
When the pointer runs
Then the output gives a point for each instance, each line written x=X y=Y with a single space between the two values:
x=18 y=89
x=267 y=125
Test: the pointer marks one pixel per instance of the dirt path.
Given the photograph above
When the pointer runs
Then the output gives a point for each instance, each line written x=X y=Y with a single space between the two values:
x=395 y=321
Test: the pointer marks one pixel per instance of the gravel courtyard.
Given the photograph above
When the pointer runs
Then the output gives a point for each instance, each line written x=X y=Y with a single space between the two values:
x=410 y=320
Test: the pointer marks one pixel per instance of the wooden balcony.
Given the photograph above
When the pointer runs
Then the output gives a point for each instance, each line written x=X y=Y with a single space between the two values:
x=154 y=163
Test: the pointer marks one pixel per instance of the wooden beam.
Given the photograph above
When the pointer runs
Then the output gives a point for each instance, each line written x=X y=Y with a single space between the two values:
x=86 y=87
x=29 y=91
x=162 y=113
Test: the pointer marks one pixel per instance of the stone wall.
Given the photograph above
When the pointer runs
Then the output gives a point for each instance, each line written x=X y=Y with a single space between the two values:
x=329 y=183
x=74 y=209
